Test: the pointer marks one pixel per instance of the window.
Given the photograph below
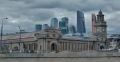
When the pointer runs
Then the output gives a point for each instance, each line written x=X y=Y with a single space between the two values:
x=40 y=47
x=25 y=46
x=36 y=34
x=15 y=48
x=97 y=29
x=30 y=46
x=53 y=35
x=101 y=17
x=35 y=46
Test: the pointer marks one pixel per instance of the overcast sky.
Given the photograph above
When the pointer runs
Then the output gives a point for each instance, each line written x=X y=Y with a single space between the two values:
x=27 y=13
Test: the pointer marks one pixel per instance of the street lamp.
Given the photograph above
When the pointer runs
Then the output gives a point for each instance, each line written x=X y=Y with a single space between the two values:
x=88 y=40
x=1 y=33
x=20 y=36
x=57 y=50
x=44 y=44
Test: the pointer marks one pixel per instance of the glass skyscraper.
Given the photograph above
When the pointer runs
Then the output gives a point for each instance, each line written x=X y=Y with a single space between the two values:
x=38 y=27
x=72 y=29
x=63 y=27
x=63 y=24
x=65 y=19
x=54 y=22
x=80 y=22
x=44 y=26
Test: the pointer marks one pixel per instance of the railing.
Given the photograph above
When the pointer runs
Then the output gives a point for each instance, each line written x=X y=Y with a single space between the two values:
x=65 y=54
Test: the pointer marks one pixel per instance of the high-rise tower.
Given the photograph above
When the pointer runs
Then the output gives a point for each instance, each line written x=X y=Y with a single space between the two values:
x=80 y=22
x=65 y=19
x=38 y=27
x=44 y=26
x=64 y=28
x=93 y=23
x=54 y=22
x=72 y=29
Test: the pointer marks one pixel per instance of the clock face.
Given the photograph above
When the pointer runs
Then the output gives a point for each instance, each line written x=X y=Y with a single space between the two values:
x=103 y=29
x=97 y=29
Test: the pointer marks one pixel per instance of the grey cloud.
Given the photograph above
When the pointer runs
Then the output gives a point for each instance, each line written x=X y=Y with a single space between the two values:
x=27 y=13
x=113 y=22
x=73 y=5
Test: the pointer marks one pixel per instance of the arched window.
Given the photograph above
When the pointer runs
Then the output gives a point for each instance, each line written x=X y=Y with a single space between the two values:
x=53 y=46
x=15 y=48
x=101 y=47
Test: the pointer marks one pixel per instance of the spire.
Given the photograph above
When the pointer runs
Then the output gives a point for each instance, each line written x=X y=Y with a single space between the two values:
x=100 y=12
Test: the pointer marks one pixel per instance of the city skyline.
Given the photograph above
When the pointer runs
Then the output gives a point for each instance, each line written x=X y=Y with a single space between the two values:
x=28 y=13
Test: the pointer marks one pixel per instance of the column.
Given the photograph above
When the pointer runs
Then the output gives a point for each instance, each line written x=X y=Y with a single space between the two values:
x=28 y=47
x=11 y=46
x=47 y=44
x=38 y=47
x=33 y=45
x=72 y=46
x=78 y=47
x=63 y=46
x=59 y=46
x=82 y=46
x=67 y=46
x=85 y=46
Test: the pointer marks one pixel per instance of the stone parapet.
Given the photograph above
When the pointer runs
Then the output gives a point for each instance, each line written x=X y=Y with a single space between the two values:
x=65 y=54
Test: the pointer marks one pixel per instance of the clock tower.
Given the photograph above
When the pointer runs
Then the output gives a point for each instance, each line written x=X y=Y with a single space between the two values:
x=101 y=26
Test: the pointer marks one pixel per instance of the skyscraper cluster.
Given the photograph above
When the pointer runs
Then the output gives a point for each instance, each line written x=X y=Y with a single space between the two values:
x=39 y=27
x=63 y=24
